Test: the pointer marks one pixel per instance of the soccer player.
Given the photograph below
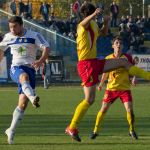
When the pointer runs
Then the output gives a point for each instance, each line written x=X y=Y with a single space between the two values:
x=89 y=67
x=118 y=86
x=23 y=44
x=47 y=73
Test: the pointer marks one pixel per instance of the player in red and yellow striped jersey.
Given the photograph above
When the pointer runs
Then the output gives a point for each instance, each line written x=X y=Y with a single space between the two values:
x=89 y=67
x=118 y=79
x=118 y=86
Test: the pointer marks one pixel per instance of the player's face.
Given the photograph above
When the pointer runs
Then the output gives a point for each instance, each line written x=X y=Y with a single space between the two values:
x=16 y=28
x=117 y=45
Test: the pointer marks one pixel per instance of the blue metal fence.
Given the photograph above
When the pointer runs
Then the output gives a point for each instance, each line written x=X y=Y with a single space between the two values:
x=60 y=45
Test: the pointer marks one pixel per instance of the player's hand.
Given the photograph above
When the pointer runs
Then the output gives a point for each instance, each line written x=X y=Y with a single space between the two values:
x=36 y=64
x=98 y=11
x=134 y=82
x=99 y=87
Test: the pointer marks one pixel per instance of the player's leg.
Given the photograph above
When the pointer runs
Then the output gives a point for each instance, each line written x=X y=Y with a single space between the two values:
x=126 y=98
x=109 y=98
x=89 y=75
x=131 y=119
x=80 y=111
x=83 y=106
x=111 y=64
x=17 y=117
x=105 y=106
x=25 y=78
x=27 y=89
x=130 y=116
x=46 y=81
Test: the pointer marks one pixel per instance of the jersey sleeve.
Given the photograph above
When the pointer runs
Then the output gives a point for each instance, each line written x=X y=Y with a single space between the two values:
x=109 y=56
x=40 y=41
x=130 y=59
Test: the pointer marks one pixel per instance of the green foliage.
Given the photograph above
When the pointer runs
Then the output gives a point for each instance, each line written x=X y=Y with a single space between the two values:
x=123 y=5
x=62 y=8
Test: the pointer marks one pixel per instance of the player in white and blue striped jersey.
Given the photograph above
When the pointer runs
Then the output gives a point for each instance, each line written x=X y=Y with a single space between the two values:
x=23 y=45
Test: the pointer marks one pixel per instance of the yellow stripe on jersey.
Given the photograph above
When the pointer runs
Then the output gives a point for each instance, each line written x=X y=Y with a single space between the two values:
x=119 y=78
x=86 y=41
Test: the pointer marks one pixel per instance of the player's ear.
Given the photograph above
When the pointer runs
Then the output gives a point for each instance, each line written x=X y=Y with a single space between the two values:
x=112 y=44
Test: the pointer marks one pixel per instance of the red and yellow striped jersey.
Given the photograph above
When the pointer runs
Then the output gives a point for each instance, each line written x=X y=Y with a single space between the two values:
x=119 y=78
x=86 y=41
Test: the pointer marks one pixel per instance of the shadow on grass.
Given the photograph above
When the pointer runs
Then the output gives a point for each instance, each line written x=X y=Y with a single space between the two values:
x=53 y=125
x=114 y=143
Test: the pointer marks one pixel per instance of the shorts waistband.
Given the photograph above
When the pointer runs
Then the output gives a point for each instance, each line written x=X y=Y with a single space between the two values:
x=87 y=60
x=27 y=65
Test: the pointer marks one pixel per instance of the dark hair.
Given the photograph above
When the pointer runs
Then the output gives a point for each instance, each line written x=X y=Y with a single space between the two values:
x=16 y=19
x=87 y=9
x=117 y=37
x=136 y=60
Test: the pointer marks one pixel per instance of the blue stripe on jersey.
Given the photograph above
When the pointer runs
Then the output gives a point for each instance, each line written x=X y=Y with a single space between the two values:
x=23 y=40
x=40 y=38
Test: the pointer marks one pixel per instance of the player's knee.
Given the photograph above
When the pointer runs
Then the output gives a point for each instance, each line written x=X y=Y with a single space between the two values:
x=104 y=110
x=90 y=98
x=23 y=105
x=129 y=110
x=91 y=101
x=23 y=77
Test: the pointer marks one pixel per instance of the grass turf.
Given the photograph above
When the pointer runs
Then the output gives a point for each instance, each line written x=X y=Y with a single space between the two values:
x=43 y=128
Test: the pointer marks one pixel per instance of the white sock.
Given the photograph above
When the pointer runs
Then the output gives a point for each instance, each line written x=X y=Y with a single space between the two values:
x=17 y=117
x=28 y=91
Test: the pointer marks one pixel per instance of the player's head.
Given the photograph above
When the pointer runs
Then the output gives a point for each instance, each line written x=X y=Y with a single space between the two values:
x=114 y=2
x=117 y=43
x=87 y=9
x=16 y=25
x=136 y=60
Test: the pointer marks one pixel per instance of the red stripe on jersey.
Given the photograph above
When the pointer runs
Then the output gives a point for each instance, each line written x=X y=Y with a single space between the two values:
x=91 y=35
x=129 y=57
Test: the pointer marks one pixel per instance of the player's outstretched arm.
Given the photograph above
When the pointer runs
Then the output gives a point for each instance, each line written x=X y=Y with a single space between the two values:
x=104 y=29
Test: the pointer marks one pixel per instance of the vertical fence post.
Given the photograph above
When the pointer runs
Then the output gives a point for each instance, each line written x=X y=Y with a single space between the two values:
x=143 y=8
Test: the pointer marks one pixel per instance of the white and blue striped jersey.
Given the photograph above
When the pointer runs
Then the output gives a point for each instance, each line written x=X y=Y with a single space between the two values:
x=24 y=48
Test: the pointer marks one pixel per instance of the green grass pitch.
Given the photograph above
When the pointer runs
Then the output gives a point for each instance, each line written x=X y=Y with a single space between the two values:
x=43 y=128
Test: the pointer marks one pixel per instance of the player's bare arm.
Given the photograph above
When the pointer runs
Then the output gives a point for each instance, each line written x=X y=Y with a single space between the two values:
x=86 y=21
x=45 y=53
x=104 y=29
x=103 y=79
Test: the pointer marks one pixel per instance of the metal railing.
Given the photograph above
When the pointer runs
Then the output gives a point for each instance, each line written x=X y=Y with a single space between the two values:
x=60 y=45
